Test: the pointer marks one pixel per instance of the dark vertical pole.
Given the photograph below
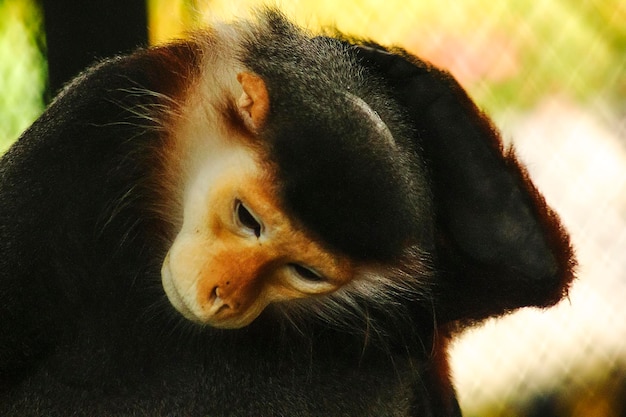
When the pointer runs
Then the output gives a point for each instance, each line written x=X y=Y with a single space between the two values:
x=79 y=32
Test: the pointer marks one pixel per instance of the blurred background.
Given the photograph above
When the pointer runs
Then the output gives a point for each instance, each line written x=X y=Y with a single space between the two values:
x=552 y=73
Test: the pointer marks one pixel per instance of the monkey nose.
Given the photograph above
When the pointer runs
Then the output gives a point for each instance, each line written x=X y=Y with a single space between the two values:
x=217 y=303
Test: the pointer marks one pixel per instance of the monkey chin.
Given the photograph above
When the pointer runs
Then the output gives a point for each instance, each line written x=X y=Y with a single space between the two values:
x=176 y=300
x=212 y=318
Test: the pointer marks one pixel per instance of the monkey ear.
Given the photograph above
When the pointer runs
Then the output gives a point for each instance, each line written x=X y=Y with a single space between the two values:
x=254 y=102
x=499 y=246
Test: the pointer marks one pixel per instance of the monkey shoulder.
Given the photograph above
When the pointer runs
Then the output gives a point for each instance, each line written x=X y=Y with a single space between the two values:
x=74 y=188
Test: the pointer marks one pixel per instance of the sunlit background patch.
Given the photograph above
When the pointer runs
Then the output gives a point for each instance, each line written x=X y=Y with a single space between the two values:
x=553 y=75
x=22 y=67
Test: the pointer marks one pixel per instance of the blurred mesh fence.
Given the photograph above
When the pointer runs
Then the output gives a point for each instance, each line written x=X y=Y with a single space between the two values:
x=553 y=75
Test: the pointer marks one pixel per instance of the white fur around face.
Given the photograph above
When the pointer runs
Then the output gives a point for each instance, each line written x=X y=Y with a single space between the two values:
x=207 y=209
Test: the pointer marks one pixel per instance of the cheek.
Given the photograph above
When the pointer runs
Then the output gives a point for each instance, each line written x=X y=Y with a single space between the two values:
x=186 y=257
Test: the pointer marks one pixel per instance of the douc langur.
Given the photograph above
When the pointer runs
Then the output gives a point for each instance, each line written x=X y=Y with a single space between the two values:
x=257 y=221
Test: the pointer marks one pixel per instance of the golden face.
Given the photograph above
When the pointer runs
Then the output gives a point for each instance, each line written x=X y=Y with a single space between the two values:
x=238 y=251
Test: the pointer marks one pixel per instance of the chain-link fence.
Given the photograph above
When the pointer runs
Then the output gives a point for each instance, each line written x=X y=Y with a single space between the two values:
x=553 y=74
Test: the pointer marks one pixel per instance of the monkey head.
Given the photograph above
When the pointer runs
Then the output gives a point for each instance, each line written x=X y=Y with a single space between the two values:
x=314 y=168
x=313 y=186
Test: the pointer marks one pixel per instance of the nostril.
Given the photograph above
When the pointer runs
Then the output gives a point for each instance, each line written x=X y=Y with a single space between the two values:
x=217 y=295
x=214 y=294
x=218 y=304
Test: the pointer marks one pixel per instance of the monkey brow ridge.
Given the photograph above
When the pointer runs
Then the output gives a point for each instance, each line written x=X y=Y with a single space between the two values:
x=373 y=116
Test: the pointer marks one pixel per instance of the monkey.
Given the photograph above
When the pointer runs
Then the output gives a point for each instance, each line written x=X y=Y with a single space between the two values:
x=258 y=220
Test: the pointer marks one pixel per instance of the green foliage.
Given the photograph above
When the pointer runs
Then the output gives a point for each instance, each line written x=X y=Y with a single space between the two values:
x=22 y=68
x=569 y=47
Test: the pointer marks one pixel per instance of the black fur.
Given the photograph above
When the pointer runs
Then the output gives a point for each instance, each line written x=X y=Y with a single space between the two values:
x=365 y=197
x=85 y=328
x=500 y=244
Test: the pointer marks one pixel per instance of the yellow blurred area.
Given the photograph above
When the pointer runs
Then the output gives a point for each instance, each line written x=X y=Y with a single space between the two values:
x=424 y=28
x=493 y=48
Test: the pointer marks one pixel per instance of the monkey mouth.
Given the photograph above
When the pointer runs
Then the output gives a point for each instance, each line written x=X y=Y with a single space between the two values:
x=215 y=315
x=173 y=295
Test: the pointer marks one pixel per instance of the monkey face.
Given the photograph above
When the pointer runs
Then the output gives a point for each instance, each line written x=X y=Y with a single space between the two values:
x=238 y=251
x=240 y=247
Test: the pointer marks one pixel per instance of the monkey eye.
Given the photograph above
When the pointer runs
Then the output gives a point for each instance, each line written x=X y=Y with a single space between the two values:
x=305 y=273
x=246 y=219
